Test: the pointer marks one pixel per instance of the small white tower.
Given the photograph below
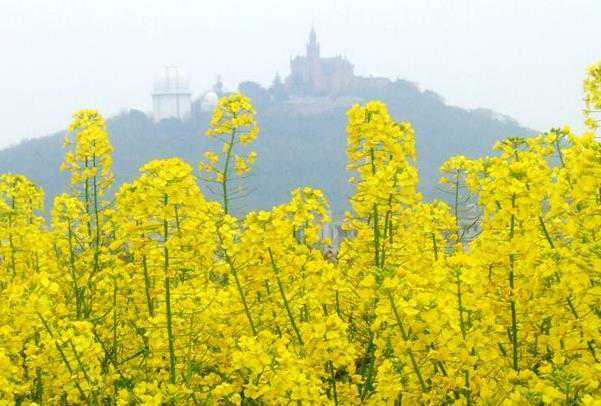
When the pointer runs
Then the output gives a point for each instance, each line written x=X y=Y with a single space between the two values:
x=171 y=97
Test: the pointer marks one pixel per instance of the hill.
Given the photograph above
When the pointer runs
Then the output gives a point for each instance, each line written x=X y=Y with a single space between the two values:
x=302 y=141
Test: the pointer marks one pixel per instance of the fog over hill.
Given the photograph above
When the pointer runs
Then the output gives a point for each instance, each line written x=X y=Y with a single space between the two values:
x=302 y=140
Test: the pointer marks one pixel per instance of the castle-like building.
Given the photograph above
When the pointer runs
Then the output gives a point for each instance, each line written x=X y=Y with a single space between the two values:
x=312 y=75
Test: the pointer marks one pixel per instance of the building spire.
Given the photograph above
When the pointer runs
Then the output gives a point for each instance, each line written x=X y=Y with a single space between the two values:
x=313 y=45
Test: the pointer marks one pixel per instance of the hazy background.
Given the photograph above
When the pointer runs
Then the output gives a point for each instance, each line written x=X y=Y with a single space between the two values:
x=521 y=58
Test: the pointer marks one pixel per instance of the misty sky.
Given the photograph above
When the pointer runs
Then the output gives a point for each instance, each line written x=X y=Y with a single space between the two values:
x=524 y=58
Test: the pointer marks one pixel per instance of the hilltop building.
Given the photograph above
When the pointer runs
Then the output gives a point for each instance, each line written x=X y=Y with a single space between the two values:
x=171 y=97
x=312 y=75
x=208 y=100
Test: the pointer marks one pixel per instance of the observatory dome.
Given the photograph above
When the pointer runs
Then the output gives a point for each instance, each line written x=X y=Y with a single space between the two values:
x=209 y=101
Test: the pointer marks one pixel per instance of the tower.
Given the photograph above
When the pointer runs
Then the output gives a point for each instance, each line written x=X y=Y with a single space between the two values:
x=171 y=96
x=313 y=46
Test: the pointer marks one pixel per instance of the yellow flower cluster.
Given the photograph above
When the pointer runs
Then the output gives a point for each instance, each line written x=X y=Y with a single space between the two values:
x=235 y=126
x=90 y=160
x=164 y=297
x=592 y=96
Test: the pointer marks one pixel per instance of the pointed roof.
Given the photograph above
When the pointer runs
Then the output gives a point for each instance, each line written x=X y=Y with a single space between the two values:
x=312 y=35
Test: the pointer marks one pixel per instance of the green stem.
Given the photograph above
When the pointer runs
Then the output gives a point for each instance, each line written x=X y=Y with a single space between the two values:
x=435 y=247
x=74 y=271
x=333 y=378
x=80 y=364
x=405 y=336
x=87 y=199
x=460 y=305
x=170 y=336
x=376 y=228
x=338 y=310
x=170 y=330
x=96 y=219
x=244 y=302
x=546 y=232
x=371 y=355
x=234 y=271
x=13 y=259
x=147 y=286
x=39 y=383
x=63 y=356
x=379 y=263
x=512 y=302
x=569 y=299
x=285 y=299
x=115 y=317
x=456 y=203
x=228 y=158
x=463 y=333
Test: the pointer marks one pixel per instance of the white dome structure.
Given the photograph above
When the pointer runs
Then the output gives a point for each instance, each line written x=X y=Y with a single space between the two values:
x=171 y=95
x=209 y=101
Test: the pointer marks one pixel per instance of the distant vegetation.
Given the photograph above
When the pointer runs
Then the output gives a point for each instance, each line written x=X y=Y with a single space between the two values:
x=302 y=141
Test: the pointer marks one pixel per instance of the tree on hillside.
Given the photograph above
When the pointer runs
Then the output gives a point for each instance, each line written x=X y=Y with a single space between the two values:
x=257 y=93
